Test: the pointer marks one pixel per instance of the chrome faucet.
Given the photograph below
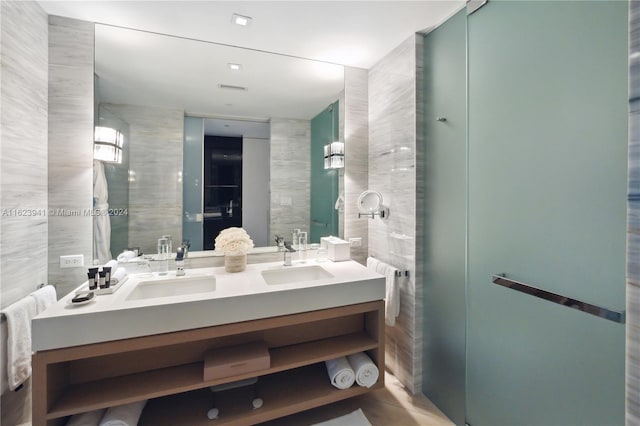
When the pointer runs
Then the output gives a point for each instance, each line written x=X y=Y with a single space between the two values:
x=185 y=248
x=287 y=253
x=279 y=242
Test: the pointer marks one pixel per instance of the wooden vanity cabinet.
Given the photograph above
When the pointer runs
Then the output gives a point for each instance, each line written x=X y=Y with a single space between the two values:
x=167 y=369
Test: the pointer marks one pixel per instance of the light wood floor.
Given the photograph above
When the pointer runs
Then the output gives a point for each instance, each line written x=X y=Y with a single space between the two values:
x=391 y=406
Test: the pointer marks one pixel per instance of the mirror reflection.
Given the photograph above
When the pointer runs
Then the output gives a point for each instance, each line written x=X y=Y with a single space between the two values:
x=214 y=136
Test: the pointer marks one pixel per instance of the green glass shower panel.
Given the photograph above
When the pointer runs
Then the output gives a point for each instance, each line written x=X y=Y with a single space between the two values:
x=445 y=216
x=192 y=182
x=324 y=182
x=547 y=181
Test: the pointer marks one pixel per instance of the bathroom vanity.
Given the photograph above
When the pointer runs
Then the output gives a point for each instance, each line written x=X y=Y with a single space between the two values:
x=149 y=340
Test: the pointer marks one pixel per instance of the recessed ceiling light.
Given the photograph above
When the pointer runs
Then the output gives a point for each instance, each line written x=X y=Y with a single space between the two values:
x=240 y=20
x=234 y=67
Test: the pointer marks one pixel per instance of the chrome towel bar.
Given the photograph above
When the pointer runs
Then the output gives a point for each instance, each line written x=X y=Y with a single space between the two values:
x=3 y=317
x=598 y=311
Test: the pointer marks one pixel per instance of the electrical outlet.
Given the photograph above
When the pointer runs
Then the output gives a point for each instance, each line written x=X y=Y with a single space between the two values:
x=355 y=242
x=72 y=261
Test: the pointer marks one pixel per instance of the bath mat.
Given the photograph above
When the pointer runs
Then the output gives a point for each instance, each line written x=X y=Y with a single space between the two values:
x=357 y=418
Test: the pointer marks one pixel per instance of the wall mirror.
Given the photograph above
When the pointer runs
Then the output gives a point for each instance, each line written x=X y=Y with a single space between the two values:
x=162 y=92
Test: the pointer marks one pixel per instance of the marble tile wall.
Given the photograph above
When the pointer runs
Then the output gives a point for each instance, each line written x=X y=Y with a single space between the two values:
x=633 y=223
x=23 y=155
x=356 y=171
x=23 y=171
x=155 y=192
x=70 y=147
x=418 y=333
x=393 y=140
x=290 y=177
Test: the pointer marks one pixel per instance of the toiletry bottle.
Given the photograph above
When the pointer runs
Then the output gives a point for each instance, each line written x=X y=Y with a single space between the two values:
x=102 y=279
x=93 y=280
x=302 y=247
x=163 y=256
x=107 y=277
x=296 y=237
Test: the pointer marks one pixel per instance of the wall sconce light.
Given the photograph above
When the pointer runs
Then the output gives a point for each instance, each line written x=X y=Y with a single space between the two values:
x=334 y=155
x=107 y=145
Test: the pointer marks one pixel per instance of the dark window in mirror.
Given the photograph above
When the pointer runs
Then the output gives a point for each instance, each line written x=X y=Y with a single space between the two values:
x=222 y=186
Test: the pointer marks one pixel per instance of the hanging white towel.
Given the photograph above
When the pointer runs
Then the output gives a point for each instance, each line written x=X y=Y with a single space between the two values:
x=90 y=418
x=340 y=372
x=19 y=317
x=44 y=297
x=366 y=371
x=101 y=221
x=340 y=202
x=392 y=297
x=123 y=415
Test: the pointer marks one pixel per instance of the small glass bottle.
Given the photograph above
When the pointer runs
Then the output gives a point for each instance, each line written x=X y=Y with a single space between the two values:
x=302 y=247
x=296 y=239
x=163 y=256
x=169 y=244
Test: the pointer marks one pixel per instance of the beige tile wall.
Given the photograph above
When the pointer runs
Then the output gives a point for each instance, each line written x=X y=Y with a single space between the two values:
x=290 y=177
x=23 y=155
x=356 y=172
x=393 y=139
x=155 y=196
x=23 y=172
x=70 y=147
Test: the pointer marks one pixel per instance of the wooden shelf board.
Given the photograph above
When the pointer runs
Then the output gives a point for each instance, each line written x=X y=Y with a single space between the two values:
x=126 y=389
x=320 y=350
x=282 y=393
x=158 y=383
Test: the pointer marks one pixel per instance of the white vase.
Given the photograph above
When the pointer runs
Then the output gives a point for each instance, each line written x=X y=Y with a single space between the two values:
x=235 y=263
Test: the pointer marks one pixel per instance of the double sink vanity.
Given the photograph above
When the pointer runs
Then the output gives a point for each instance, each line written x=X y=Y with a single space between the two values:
x=149 y=339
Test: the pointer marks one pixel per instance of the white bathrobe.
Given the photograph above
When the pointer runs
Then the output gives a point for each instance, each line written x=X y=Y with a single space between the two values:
x=101 y=221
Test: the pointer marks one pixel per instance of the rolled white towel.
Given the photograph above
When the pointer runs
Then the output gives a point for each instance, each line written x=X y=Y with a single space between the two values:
x=90 y=418
x=340 y=372
x=366 y=371
x=113 y=264
x=126 y=256
x=123 y=415
x=119 y=275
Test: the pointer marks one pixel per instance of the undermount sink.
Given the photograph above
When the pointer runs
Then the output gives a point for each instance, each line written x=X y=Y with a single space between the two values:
x=294 y=275
x=173 y=287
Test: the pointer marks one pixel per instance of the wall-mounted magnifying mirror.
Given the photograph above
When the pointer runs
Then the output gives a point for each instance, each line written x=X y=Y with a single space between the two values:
x=370 y=204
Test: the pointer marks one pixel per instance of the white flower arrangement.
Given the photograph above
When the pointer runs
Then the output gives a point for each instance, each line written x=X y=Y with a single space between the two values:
x=233 y=242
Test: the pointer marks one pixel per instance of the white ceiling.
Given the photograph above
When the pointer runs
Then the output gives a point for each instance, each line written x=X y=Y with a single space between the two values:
x=148 y=68
x=354 y=33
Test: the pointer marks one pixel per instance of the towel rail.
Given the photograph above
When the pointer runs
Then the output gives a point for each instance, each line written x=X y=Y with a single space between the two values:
x=3 y=317
x=598 y=311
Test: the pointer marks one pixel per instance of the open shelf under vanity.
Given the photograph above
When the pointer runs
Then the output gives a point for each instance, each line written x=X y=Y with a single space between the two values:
x=167 y=369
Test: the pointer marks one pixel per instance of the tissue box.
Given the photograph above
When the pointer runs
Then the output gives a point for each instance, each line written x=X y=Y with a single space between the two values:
x=234 y=360
x=337 y=249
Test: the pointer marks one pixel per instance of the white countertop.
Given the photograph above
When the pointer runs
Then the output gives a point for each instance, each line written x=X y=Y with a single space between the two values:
x=238 y=297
